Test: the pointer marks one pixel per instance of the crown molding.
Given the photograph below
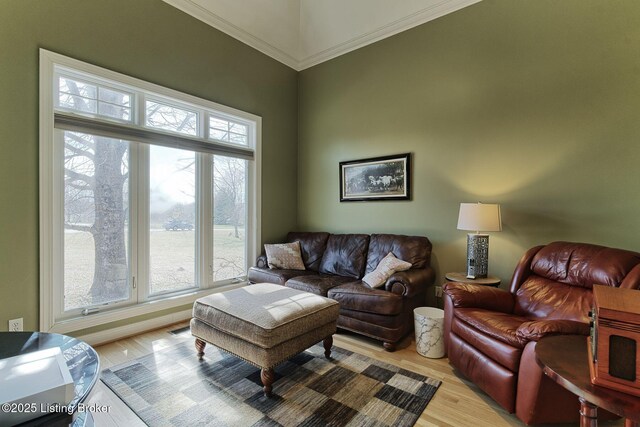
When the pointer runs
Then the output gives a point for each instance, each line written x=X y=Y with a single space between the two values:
x=210 y=18
x=418 y=18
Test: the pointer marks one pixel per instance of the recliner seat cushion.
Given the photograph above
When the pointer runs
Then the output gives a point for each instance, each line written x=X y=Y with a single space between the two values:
x=316 y=284
x=359 y=297
x=501 y=352
x=345 y=255
x=500 y=326
x=540 y=298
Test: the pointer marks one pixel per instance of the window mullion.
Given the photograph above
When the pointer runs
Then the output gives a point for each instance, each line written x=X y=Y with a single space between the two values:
x=142 y=233
x=204 y=229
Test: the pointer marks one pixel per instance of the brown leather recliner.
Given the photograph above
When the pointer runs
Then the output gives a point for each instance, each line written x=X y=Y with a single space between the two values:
x=491 y=334
x=334 y=267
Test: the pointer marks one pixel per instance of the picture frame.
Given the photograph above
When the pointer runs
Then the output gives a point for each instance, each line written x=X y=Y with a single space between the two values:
x=376 y=179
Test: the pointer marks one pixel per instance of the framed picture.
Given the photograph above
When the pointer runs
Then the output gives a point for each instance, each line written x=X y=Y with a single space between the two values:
x=378 y=178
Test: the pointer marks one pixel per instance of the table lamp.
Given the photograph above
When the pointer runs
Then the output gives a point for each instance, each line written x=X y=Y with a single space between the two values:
x=478 y=217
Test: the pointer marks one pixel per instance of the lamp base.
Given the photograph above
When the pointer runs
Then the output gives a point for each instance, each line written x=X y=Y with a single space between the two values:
x=477 y=255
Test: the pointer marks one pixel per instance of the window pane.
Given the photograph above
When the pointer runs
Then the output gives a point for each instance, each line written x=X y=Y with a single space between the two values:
x=114 y=111
x=171 y=118
x=172 y=211
x=238 y=128
x=238 y=139
x=229 y=217
x=94 y=99
x=114 y=104
x=225 y=130
x=96 y=206
x=115 y=97
x=222 y=135
x=77 y=95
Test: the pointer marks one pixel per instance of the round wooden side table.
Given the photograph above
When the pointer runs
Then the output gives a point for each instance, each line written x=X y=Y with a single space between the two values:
x=462 y=278
x=564 y=359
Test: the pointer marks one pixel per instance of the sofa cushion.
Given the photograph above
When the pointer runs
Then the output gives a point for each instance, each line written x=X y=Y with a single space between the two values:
x=284 y=256
x=279 y=277
x=389 y=265
x=500 y=326
x=345 y=255
x=359 y=297
x=316 y=283
x=312 y=246
x=413 y=249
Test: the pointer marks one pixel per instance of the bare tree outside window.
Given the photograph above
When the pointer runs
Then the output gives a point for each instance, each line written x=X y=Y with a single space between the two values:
x=96 y=204
x=229 y=215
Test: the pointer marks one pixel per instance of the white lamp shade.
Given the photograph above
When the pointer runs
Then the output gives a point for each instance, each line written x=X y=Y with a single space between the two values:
x=479 y=217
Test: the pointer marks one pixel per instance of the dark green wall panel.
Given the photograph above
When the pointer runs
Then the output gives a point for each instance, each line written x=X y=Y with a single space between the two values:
x=150 y=40
x=533 y=105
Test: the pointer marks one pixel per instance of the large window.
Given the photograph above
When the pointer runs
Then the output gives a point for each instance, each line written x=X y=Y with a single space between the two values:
x=149 y=197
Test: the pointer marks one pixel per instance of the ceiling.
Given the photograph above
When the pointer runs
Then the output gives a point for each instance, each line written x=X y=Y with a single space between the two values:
x=303 y=33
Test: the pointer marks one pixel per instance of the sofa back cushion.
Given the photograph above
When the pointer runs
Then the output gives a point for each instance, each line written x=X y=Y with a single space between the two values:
x=413 y=249
x=312 y=246
x=562 y=275
x=345 y=255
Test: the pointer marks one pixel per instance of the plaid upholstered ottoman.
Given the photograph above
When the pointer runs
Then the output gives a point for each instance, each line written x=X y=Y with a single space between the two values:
x=264 y=324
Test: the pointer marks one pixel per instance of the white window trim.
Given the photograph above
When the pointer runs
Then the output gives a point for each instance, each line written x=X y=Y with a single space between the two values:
x=50 y=205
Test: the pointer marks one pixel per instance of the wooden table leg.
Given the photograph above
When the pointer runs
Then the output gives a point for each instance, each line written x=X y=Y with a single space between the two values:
x=328 y=342
x=200 y=347
x=588 y=414
x=267 y=376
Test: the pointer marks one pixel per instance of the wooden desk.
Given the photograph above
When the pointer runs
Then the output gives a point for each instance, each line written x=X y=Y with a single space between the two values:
x=564 y=359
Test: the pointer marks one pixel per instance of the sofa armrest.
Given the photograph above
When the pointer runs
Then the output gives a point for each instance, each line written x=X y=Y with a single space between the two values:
x=261 y=262
x=410 y=282
x=479 y=296
x=535 y=330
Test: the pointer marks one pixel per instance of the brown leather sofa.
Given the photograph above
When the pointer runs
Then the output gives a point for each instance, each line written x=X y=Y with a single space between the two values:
x=491 y=334
x=335 y=263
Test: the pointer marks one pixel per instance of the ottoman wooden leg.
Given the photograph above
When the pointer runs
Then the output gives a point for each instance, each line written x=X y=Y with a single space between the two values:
x=200 y=347
x=328 y=342
x=267 y=376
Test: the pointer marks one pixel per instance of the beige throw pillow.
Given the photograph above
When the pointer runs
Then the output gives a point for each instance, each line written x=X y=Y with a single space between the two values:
x=389 y=265
x=284 y=256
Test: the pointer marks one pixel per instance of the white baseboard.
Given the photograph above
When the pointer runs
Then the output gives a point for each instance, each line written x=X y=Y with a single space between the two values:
x=115 y=334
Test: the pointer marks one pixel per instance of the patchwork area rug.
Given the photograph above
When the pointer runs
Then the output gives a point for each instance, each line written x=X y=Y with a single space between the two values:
x=172 y=387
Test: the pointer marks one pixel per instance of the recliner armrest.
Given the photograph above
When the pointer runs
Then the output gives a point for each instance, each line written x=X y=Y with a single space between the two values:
x=410 y=282
x=478 y=296
x=535 y=330
x=261 y=262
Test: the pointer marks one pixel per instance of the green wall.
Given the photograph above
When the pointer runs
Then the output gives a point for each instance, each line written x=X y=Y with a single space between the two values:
x=150 y=40
x=534 y=105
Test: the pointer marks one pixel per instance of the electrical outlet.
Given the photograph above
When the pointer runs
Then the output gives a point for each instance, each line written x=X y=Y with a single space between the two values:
x=438 y=291
x=15 y=325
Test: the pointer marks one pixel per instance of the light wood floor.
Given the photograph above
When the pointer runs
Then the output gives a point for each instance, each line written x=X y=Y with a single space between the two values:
x=456 y=403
